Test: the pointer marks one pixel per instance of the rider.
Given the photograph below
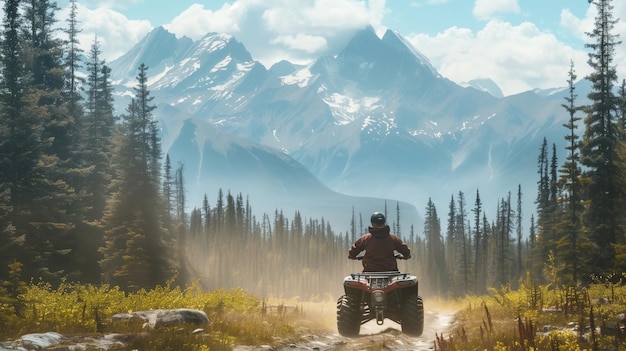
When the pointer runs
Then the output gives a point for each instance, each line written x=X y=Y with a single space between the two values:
x=379 y=245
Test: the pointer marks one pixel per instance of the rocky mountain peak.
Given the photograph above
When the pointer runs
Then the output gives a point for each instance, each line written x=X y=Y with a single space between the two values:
x=375 y=120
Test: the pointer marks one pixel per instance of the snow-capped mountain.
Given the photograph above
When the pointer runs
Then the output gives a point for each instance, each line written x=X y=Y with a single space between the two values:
x=487 y=85
x=375 y=120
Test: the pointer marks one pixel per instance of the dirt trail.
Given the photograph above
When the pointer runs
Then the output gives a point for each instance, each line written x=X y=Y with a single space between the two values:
x=372 y=336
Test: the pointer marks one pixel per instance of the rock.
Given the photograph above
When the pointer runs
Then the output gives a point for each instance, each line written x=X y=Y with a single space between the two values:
x=41 y=341
x=8 y=346
x=166 y=318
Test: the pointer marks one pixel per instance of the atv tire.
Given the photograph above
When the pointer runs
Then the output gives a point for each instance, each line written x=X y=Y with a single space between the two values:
x=412 y=321
x=348 y=316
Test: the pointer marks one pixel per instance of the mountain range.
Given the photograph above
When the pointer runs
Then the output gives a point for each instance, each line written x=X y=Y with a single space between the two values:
x=374 y=125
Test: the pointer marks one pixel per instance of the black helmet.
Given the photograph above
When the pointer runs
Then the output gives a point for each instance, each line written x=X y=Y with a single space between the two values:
x=378 y=218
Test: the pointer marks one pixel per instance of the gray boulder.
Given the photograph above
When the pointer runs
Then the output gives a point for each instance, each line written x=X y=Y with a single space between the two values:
x=40 y=341
x=166 y=318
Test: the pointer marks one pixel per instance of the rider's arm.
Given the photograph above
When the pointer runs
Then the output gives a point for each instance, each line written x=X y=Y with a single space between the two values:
x=402 y=248
x=356 y=248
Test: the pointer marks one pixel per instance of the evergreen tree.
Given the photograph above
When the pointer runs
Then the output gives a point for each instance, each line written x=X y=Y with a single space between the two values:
x=546 y=208
x=398 y=230
x=436 y=263
x=463 y=248
x=39 y=151
x=477 y=240
x=569 y=244
x=487 y=252
x=20 y=143
x=180 y=194
x=94 y=139
x=206 y=209
x=519 y=260
x=621 y=112
x=503 y=254
x=73 y=61
x=168 y=185
x=353 y=226
x=451 y=257
x=137 y=253
x=599 y=143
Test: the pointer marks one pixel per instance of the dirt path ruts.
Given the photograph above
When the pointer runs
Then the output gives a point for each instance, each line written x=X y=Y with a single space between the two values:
x=372 y=337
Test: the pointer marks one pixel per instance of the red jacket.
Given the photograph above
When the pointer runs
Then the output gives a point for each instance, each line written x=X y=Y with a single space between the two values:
x=379 y=245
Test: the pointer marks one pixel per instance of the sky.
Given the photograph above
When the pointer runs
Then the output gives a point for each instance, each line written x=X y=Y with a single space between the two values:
x=519 y=44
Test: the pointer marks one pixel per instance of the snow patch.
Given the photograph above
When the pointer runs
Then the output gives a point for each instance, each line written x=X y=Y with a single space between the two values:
x=159 y=76
x=214 y=43
x=222 y=65
x=245 y=67
x=347 y=109
x=300 y=78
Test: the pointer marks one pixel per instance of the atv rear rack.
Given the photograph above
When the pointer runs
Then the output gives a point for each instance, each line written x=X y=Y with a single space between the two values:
x=379 y=280
x=380 y=275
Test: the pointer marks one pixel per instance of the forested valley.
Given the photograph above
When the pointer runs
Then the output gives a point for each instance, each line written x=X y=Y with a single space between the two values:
x=88 y=196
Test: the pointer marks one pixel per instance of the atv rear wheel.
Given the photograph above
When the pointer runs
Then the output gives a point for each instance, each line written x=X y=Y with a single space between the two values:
x=412 y=315
x=348 y=316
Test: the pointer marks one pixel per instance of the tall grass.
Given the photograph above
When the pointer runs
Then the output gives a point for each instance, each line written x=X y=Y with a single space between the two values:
x=73 y=309
x=565 y=319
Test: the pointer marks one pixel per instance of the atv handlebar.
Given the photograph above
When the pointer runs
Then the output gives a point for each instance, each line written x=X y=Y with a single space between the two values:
x=396 y=256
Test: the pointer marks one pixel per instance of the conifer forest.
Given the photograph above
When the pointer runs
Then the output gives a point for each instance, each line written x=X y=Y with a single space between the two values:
x=89 y=196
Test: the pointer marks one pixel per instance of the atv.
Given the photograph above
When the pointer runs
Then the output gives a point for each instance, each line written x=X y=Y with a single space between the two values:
x=380 y=295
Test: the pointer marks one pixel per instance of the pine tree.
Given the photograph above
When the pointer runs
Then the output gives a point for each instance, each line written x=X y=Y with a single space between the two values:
x=543 y=185
x=398 y=231
x=136 y=252
x=20 y=143
x=353 y=226
x=520 y=259
x=463 y=247
x=487 y=252
x=547 y=196
x=180 y=194
x=39 y=151
x=73 y=61
x=436 y=263
x=622 y=111
x=599 y=144
x=168 y=187
x=477 y=240
x=94 y=144
x=206 y=209
x=451 y=245
x=503 y=254
x=569 y=243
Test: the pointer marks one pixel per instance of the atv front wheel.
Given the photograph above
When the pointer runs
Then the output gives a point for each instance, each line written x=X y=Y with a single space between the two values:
x=348 y=316
x=412 y=315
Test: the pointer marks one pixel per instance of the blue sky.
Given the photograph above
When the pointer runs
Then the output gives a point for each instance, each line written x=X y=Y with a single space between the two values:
x=520 y=44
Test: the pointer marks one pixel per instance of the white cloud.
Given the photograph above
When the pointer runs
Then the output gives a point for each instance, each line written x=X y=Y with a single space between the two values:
x=110 y=3
x=488 y=9
x=427 y=2
x=271 y=30
x=196 y=21
x=302 y=42
x=116 y=33
x=279 y=29
x=517 y=58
